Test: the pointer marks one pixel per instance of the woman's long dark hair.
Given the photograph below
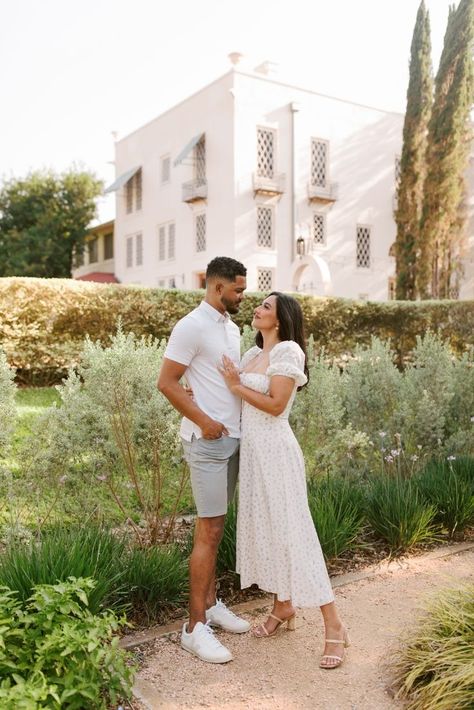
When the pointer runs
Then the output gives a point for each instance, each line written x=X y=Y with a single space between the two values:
x=290 y=324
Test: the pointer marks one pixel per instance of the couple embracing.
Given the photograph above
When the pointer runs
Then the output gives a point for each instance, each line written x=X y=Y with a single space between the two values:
x=236 y=426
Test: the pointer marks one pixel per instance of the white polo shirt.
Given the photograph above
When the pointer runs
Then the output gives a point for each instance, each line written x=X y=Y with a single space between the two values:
x=199 y=340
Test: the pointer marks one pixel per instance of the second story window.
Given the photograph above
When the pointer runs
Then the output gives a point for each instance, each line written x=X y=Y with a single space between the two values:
x=363 y=247
x=200 y=226
x=109 y=245
x=265 y=227
x=93 y=248
x=200 y=160
x=133 y=192
x=165 y=169
x=319 y=162
x=266 y=152
x=129 y=252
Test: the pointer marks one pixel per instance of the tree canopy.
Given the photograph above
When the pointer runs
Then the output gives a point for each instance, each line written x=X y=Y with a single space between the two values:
x=44 y=218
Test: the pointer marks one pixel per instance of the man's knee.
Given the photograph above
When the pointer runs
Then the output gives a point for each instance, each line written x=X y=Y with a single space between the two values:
x=210 y=530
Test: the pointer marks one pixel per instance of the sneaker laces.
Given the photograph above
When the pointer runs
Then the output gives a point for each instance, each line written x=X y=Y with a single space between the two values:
x=207 y=629
x=221 y=605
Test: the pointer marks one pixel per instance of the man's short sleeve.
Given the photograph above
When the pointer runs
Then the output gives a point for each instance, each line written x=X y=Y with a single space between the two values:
x=183 y=343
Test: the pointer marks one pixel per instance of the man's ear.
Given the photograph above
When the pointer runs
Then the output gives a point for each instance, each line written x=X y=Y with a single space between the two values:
x=219 y=287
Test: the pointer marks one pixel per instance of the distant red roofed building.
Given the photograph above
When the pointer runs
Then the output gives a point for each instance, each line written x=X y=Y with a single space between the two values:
x=96 y=263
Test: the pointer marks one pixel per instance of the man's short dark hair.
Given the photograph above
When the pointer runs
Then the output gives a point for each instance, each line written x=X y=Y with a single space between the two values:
x=224 y=267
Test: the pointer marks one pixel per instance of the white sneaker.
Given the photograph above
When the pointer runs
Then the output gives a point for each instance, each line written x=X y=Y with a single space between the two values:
x=220 y=615
x=203 y=644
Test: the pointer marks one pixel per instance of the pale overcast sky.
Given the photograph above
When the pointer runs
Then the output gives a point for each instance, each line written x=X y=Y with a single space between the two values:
x=74 y=72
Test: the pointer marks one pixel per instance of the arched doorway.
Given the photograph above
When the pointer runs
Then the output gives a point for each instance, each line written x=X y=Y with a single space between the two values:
x=311 y=275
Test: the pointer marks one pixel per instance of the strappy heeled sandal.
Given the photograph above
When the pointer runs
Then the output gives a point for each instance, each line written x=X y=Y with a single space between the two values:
x=339 y=659
x=290 y=626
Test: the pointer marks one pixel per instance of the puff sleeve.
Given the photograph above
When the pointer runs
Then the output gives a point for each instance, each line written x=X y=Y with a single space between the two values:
x=249 y=355
x=287 y=359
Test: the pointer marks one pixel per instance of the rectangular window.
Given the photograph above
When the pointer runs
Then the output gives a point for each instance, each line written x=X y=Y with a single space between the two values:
x=138 y=189
x=161 y=283
x=129 y=196
x=129 y=245
x=109 y=246
x=162 y=243
x=171 y=240
x=265 y=152
x=78 y=258
x=319 y=162
x=265 y=227
x=264 y=279
x=200 y=161
x=165 y=169
x=139 y=249
x=172 y=282
x=363 y=247
x=200 y=226
x=93 y=248
x=319 y=228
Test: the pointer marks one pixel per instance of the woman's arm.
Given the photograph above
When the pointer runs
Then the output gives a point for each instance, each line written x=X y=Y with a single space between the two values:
x=274 y=403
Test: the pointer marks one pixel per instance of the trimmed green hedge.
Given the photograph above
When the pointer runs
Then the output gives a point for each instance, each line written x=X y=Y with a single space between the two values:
x=44 y=321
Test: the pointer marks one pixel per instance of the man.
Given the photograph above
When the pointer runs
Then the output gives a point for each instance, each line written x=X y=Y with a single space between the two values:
x=210 y=433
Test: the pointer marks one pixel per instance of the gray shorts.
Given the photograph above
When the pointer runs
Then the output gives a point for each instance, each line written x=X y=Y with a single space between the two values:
x=214 y=466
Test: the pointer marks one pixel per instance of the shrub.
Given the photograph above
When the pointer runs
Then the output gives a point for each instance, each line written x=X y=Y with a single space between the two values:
x=336 y=509
x=398 y=514
x=54 y=653
x=435 y=665
x=7 y=402
x=155 y=579
x=44 y=321
x=115 y=430
x=450 y=494
x=80 y=552
x=460 y=419
x=226 y=556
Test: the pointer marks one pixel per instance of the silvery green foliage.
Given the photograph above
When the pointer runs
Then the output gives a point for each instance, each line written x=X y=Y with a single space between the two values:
x=247 y=339
x=372 y=385
x=427 y=392
x=113 y=424
x=329 y=443
x=460 y=423
x=7 y=402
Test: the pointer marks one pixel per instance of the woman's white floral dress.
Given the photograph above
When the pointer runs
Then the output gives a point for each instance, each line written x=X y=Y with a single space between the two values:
x=277 y=546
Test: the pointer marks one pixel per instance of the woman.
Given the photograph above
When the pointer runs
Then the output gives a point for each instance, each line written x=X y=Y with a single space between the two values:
x=277 y=545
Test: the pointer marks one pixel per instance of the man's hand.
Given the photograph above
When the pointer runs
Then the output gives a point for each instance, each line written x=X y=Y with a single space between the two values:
x=213 y=430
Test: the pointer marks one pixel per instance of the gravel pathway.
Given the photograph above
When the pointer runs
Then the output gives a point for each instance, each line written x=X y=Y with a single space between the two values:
x=282 y=673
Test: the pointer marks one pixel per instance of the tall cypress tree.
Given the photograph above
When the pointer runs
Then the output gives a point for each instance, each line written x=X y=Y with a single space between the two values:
x=449 y=140
x=412 y=162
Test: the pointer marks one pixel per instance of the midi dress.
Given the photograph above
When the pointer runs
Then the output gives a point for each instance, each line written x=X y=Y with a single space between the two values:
x=277 y=544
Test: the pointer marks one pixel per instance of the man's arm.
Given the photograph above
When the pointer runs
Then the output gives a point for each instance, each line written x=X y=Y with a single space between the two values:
x=168 y=384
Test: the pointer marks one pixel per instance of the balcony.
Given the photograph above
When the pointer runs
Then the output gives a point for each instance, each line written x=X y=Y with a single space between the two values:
x=323 y=194
x=269 y=186
x=194 y=190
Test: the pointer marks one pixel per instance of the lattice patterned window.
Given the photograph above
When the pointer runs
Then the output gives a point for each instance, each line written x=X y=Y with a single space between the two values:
x=172 y=282
x=200 y=160
x=398 y=167
x=129 y=195
x=363 y=247
x=319 y=162
x=109 y=245
x=264 y=279
x=162 y=243
x=319 y=228
x=265 y=227
x=171 y=240
x=138 y=189
x=265 y=152
x=201 y=232
x=165 y=169
x=129 y=261
x=93 y=247
x=139 y=249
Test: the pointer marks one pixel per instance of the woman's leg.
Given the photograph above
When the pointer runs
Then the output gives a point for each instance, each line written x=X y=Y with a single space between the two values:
x=282 y=610
x=334 y=629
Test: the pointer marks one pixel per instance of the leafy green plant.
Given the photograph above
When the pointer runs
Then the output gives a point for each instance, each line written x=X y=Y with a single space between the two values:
x=226 y=556
x=335 y=505
x=54 y=653
x=398 y=514
x=434 y=667
x=85 y=551
x=450 y=494
x=155 y=579
x=7 y=402
x=114 y=430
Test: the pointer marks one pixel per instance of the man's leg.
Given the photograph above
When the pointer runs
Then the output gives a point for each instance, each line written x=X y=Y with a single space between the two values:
x=202 y=567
